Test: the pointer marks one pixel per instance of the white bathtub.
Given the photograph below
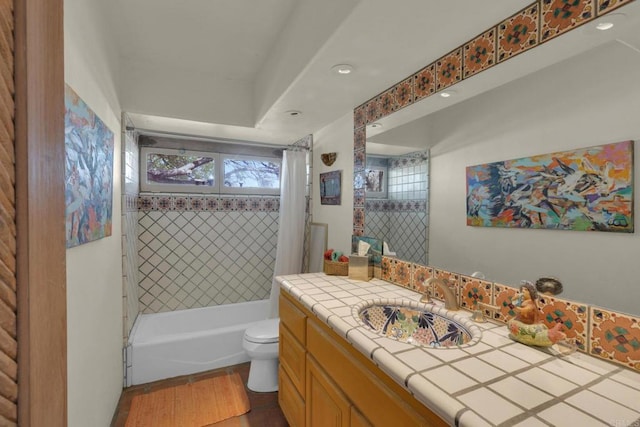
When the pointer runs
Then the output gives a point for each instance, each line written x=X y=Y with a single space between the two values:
x=182 y=342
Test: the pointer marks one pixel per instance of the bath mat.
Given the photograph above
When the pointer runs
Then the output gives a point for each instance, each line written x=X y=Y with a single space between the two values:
x=196 y=404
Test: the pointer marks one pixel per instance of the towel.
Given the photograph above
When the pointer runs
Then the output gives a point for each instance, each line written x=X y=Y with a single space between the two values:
x=335 y=255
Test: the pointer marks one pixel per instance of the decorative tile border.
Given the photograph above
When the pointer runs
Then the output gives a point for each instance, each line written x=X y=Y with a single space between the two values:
x=480 y=53
x=174 y=202
x=597 y=331
x=474 y=291
x=615 y=337
x=560 y=16
x=518 y=33
x=572 y=315
x=385 y=205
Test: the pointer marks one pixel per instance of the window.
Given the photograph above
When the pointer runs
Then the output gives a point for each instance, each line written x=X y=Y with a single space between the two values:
x=182 y=171
x=247 y=174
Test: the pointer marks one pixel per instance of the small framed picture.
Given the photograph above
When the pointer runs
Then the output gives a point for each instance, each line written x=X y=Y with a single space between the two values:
x=375 y=185
x=330 y=188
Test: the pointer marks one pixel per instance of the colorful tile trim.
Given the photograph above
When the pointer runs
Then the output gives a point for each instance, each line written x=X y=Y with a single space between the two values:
x=480 y=53
x=560 y=16
x=518 y=33
x=424 y=82
x=600 y=332
x=605 y=6
x=419 y=276
x=615 y=337
x=572 y=315
x=474 y=291
x=172 y=202
x=449 y=69
x=384 y=205
x=504 y=297
x=454 y=280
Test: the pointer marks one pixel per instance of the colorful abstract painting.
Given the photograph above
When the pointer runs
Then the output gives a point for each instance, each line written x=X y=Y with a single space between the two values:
x=89 y=173
x=589 y=189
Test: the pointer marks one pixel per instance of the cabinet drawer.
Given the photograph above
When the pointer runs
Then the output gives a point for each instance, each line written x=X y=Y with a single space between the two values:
x=293 y=318
x=290 y=401
x=292 y=358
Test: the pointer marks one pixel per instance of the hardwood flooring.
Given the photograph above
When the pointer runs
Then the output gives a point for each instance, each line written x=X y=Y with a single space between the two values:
x=264 y=412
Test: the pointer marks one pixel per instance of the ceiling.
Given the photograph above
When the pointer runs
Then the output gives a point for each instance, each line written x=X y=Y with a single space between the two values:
x=234 y=68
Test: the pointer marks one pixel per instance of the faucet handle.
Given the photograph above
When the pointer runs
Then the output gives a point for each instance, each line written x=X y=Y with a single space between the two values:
x=478 y=313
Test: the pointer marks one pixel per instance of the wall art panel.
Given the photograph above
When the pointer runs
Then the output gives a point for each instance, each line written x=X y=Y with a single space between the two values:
x=588 y=189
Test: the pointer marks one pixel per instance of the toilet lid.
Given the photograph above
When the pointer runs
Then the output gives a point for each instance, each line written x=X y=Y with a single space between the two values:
x=264 y=331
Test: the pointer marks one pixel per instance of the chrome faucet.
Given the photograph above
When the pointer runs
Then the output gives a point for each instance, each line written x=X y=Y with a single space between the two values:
x=450 y=300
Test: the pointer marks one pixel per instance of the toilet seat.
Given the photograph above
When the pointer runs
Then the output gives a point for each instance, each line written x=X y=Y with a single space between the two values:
x=263 y=332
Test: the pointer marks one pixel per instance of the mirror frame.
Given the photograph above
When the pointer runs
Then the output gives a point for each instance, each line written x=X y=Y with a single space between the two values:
x=459 y=64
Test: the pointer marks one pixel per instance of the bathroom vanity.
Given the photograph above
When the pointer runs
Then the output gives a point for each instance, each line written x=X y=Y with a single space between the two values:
x=334 y=370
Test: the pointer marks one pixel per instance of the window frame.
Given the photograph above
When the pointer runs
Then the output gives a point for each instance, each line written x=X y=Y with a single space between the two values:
x=248 y=190
x=218 y=187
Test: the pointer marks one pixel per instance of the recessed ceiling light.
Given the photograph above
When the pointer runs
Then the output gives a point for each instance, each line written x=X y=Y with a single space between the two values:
x=447 y=93
x=604 y=23
x=293 y=113
x=342 y=69
x=604 y=26
x=375 y=125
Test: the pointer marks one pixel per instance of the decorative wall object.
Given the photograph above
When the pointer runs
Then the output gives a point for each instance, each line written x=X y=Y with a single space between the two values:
x=587 y=189
x=89 y=173
x=328 y=158
x=330 y=188
x=376 y=181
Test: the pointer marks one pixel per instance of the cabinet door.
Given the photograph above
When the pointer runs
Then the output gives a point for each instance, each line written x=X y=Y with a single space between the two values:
x=357 y=419
x=290 y=401
x=326 y=405
x=292 y=358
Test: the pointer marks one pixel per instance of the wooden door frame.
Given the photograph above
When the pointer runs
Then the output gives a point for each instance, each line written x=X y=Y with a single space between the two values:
x=40 y=213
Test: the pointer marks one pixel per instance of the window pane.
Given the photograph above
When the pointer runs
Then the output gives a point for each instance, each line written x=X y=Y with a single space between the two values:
x=242 y=173
x=180 y=169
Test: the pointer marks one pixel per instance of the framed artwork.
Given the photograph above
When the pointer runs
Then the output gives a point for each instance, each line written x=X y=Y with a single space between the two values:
x=88 y=173
x=376 y=182
x=330 y=188
x=588 y=189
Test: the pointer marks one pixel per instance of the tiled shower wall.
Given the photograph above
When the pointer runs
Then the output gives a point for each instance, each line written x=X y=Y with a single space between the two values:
x=403 y=215
x=130 y=161
x=185 y=251
x=198 y=251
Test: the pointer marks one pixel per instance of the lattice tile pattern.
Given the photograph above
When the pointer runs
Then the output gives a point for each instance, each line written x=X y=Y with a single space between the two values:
x=190 y=259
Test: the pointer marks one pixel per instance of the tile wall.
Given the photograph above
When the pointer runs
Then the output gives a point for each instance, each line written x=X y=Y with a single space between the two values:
x=597 y=331
x=198 y=251
x=192 y=250
x=130 y=178
x=402 y=216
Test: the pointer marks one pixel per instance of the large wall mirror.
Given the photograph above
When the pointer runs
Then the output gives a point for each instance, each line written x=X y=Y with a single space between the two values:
x=574 y=71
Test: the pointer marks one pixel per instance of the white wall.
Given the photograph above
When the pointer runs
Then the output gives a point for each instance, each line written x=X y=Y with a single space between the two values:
x=335 y=137
x=588 y=101
x=94 y=270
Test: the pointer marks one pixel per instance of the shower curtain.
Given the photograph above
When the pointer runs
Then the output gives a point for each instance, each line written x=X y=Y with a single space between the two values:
x=290 y=249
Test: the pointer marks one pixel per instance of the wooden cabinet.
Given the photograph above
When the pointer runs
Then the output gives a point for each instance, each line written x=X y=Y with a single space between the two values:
x=325 y=378
x=292 y=354
x=327 y=406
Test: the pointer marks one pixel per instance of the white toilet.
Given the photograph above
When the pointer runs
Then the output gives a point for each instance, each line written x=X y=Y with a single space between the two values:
x=260 y=341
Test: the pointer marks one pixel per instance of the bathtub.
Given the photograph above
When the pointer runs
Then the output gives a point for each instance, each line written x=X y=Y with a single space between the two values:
x=182 y=342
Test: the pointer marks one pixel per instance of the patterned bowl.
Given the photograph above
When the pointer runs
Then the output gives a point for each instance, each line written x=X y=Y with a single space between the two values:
x=419 y=324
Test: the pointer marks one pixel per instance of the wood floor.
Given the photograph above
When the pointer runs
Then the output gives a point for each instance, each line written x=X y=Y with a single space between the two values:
x=264 y=406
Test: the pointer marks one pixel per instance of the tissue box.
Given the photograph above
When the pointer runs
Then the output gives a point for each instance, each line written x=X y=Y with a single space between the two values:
x=360 y=267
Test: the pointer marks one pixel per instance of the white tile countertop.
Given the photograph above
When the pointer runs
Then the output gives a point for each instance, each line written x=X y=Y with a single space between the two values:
x=495 y=382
